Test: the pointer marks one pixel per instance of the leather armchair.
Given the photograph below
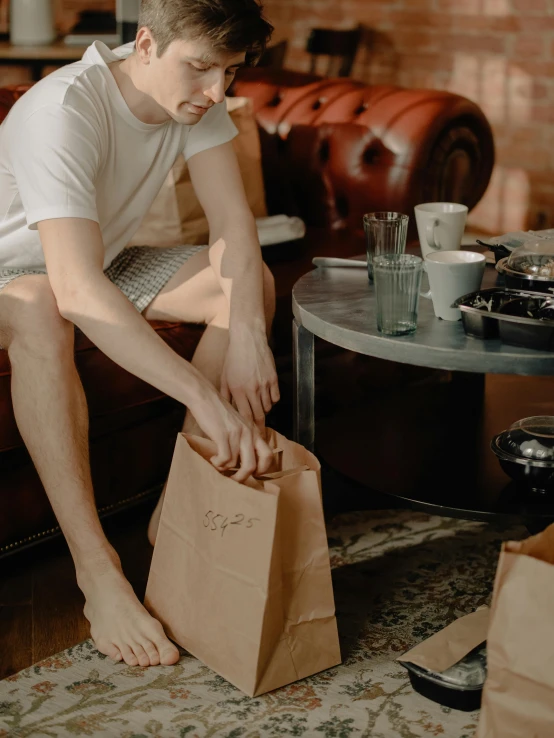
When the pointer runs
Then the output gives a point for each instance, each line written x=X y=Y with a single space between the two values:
x=332 y=149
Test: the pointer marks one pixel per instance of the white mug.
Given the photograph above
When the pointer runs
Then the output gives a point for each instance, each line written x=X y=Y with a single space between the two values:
x=31 y=22
x=440 y=226
x=451 y=275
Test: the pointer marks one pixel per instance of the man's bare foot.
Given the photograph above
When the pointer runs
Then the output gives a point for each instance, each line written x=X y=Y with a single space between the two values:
x=120 y=626
x=154 y=523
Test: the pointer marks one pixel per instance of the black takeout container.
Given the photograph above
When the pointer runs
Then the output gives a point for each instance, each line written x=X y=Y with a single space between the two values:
x=530 y=267
x=460 y=687
x=525 y=451
x=517 y=317
x=521 y=282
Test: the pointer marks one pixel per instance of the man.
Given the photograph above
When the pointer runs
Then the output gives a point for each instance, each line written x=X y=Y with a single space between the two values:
x=82 y=156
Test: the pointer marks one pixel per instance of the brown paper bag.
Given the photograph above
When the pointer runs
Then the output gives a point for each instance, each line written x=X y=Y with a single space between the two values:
x=445 y=648
x=518 y=696
x=240 y=575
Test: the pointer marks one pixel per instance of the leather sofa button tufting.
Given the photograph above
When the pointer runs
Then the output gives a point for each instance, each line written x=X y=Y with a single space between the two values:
x=341 y=205
x=370 y=155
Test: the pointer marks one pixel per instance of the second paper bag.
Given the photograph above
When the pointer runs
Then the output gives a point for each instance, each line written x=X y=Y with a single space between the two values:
x=518 y=696
x=240 y=575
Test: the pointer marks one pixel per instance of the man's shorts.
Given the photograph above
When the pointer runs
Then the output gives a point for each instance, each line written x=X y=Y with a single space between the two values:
x=140 y=272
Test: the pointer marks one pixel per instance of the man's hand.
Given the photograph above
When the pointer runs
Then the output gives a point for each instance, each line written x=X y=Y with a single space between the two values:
x=239 y=442
x=249 y=376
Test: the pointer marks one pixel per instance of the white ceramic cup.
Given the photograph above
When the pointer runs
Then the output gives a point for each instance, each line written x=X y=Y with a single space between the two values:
x=440 y=226
x=31 y=22
x=451 y=275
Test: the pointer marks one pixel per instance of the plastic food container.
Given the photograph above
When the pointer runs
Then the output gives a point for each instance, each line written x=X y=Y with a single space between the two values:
x=459 y=687
x=526 y=452
x=530 y=267
x=517 y=317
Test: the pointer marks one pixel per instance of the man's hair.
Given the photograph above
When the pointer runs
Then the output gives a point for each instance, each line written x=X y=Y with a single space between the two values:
x=232 y=26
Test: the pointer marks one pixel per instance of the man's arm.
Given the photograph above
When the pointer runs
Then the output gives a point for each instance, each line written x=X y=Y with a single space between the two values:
x=74 y=253
x=249 y=375
x=217 y=181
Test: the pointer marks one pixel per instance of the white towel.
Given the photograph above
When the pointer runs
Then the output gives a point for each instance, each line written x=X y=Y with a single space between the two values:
x=279 y=228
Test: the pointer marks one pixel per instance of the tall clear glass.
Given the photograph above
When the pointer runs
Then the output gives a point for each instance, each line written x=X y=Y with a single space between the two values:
x=385 y=233
x=397 y=279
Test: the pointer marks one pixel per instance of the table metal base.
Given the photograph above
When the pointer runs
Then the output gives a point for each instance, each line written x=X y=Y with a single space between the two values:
x=303 y=386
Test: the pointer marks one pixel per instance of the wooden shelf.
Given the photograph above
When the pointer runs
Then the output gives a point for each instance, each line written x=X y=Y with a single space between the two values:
x=56 y=51
x=37 y=57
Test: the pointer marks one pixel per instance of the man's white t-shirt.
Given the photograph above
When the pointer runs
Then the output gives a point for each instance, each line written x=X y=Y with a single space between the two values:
x=70 y=147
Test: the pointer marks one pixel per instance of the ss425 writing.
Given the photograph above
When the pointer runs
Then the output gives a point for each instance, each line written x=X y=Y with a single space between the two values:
x=215 y=521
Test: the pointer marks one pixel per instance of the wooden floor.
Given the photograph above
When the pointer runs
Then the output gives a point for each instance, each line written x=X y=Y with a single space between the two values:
x=41 y=607
x=40 y=603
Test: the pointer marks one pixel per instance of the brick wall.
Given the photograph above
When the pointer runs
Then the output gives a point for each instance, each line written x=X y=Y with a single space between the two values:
x=499 y=53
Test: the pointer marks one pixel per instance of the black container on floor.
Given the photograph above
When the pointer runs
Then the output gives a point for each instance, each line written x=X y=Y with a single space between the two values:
x=459 y=687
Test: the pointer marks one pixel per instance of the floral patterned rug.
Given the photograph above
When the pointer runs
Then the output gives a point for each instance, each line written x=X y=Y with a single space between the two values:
x=399 y=576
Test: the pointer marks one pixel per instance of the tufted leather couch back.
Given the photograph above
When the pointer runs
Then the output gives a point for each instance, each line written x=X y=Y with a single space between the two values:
x=334 y=149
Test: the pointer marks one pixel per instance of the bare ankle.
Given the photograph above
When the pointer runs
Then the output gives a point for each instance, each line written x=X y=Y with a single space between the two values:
x=92 y=564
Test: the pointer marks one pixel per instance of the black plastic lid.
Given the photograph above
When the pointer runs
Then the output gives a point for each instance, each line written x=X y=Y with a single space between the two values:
x=529 y=438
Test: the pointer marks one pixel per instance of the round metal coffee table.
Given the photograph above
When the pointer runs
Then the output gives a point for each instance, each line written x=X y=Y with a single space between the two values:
x=338 y=305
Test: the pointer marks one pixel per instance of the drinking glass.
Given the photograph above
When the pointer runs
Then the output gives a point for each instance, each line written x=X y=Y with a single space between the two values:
x=397 y=279
x=385 y=233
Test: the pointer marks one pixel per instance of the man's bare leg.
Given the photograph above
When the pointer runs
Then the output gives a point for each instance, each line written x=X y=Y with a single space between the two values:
x=52 y=417
x=209 y=358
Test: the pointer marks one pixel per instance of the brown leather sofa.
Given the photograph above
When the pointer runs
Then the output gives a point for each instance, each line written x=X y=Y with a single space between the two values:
x=332 y=149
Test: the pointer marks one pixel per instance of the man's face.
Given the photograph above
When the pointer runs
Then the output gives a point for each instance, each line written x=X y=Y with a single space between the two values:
x=190 y=77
